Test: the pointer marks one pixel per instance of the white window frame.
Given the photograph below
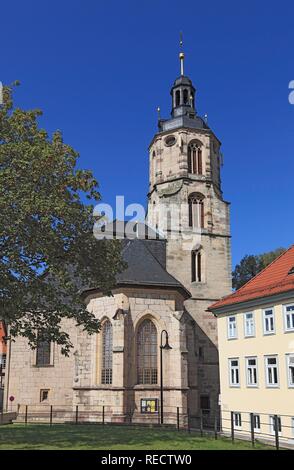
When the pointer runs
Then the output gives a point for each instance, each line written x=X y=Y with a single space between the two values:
x=237 y=417
x=247 y=366
x=292 y=425
x=272 y=426
x=288 y=357
x=228 y=327
x=271 y=332
x=256 y=429
x=286 y=329
x=269 y=385
x=246 y=334
x=235 y=368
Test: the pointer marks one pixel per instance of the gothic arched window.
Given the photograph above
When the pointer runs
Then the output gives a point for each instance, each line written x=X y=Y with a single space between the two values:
x=185 y=96
x=147 y=353
x=106 y=369
x=43 y=353
x=195 y=159
x=196 y=266
x=196 y=210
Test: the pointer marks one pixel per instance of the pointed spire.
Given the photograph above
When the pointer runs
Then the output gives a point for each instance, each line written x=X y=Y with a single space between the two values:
x=181 y=54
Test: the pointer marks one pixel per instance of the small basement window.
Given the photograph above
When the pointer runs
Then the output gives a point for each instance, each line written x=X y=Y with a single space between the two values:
x=44 y=395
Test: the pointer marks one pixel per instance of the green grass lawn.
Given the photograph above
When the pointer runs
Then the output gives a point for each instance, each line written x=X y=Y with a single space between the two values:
x=92 y=437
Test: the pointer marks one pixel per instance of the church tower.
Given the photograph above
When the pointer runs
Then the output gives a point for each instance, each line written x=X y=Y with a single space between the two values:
x=185 y=203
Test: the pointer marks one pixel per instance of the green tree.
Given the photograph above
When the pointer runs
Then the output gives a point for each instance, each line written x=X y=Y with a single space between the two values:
x=47 y=248
x=251 y=265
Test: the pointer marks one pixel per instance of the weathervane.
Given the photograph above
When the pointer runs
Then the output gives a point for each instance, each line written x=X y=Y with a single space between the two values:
x=181 y=54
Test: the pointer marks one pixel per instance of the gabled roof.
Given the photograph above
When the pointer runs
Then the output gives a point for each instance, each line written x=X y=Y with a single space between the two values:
x=276 y=278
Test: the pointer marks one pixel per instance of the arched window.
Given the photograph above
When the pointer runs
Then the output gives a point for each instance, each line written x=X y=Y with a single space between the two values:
x=196 y=210
x=195 y=159
x=106 y=369
x=192 y=99
x=185 y=96
x=43 y=353
x=196 y=266
x=178 y=97
x=147 y=353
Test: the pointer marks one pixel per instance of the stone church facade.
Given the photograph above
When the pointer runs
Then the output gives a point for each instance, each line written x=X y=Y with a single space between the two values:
x=174 y=273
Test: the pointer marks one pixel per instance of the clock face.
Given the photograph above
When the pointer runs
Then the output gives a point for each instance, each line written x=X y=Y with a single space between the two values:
x=170 y=140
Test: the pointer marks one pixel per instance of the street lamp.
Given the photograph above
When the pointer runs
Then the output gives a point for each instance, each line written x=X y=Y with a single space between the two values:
x=166 y=346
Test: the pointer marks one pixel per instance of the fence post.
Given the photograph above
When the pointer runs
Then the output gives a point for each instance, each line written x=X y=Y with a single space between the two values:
x=215 y=425
x=26 y=414
x=77 y=414
x=51 y=414
x=232 y=427
x=188 y=411
x=252 y=429
x=103 y=415
x=178 y=418
x=158 y=413
x=276 y=424
x=201 y=423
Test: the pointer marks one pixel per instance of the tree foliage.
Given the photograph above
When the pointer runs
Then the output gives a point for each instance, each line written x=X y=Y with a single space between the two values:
x=251 y=265
x=47 y=248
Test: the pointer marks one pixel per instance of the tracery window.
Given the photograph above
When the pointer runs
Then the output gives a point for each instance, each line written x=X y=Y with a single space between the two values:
x=147 y=353
x=106 y=369
x=195 y=159
x=196 y=210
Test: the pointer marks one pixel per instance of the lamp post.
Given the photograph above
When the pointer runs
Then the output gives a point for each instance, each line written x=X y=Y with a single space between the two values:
x=165 y=346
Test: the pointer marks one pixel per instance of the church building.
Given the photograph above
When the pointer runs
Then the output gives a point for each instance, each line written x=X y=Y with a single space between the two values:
x=156 y=353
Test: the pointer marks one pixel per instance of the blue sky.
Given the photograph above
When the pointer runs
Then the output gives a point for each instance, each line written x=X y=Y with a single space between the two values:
x=99 y=70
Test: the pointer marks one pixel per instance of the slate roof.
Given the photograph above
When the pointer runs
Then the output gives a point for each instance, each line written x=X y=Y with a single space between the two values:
x=145 y=255
x=144 y=267
x=276 y=278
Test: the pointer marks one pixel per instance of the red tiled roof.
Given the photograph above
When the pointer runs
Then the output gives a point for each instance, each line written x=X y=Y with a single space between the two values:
x=274 y=279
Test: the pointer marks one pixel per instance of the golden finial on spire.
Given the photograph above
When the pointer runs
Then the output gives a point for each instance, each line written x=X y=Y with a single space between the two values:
x=181 y=54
